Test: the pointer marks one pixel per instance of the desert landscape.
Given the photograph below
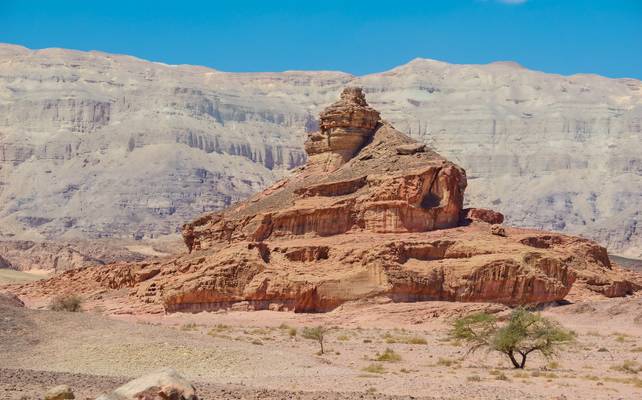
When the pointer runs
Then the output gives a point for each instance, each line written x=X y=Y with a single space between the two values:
x=343 y=280
x=331 y=200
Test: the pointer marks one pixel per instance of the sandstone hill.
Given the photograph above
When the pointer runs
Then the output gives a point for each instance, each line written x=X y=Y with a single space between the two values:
x=373 y=213
x=94 y=145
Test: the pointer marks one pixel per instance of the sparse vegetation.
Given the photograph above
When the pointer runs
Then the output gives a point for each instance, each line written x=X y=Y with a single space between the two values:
x=474 y=378
x=500 y=376
x=404 y=339
x=189 y=327
x=525 y=332
x=316 y=333
x=446 y=362
x=389 y=355
x=375 y=369
x=628 y=366
x=70 y=303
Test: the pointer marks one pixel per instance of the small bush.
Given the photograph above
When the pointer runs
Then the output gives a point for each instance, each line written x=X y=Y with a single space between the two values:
x=375 y=369
x=343 y=338
x=71 y=303
x=389 y=356
x=292 y=332
x=446 y=362
x=553 y=365
x=501 y=377
x=189 y=327
x=474 y=378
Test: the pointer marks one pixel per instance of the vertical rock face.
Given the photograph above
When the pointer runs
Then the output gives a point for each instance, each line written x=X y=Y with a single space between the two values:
x=344 y=128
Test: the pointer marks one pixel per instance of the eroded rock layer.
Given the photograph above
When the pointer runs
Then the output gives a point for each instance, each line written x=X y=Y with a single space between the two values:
x=374 y=215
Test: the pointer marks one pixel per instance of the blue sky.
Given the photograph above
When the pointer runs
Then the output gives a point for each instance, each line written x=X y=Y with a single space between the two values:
x=360 y=37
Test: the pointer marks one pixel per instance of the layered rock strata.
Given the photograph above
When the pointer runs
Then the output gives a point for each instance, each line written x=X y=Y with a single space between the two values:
x=360 y=219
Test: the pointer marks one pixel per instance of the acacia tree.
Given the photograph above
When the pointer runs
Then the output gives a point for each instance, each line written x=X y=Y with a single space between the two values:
x=524 y=333
x=317 y=333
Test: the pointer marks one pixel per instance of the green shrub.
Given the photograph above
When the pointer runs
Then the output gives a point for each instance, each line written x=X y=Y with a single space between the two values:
x=389 y=355
x=71 y=303
x=375 y=369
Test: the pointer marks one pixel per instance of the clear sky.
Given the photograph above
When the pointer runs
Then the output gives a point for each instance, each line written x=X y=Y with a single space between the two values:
x=360 y=37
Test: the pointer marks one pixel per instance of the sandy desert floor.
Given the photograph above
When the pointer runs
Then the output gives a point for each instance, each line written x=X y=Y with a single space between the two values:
x=262 y=355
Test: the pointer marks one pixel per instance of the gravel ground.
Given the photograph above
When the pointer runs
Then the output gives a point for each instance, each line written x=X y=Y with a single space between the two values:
x=256 y=355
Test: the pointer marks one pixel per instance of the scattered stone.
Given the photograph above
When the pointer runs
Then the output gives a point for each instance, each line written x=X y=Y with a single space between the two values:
x=165 y=384
x=61 y=392
x=498 y=230
x=407 y=149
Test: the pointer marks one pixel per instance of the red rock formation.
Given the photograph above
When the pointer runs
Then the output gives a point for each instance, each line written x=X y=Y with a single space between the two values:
x=469 y=215
x=371 y=214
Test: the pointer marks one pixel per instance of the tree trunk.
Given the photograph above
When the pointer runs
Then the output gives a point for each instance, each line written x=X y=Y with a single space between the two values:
x=321 y=343
x=511 y=355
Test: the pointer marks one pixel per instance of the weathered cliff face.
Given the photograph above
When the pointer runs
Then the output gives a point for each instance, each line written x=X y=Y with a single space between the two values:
x=93 y=144
x=386 y=221
x=24 y=255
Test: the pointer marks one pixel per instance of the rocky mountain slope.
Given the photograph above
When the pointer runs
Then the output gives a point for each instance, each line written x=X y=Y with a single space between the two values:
x=371 y=213
x=95 y=145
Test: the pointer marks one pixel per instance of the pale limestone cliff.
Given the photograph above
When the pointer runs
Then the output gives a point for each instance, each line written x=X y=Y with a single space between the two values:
x=93 y=144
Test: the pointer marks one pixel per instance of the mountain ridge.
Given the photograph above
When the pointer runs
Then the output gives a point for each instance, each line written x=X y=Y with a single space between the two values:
x=170 y=142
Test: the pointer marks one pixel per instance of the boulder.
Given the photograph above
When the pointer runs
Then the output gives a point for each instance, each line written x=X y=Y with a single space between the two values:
x=4 y=263
x=61 y=392
x=470 y=215
x=165 y=384
x=407 y=149
x=497 y=230
x=10 y=299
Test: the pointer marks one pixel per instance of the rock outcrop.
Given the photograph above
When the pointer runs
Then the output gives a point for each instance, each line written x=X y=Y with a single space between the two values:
x=25 y=255
x=60 y=392
x=164 y=384
x=379 y=222
x=377 y=191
